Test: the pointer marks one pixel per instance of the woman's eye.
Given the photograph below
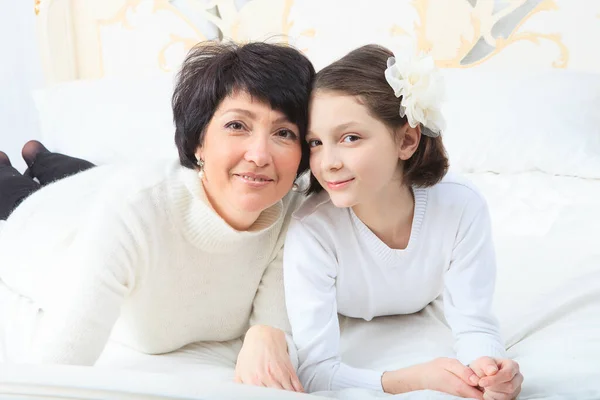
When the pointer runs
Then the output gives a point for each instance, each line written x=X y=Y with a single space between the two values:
x=287 y=134
x=350 y=138
x=236 y=126
x=314 y=143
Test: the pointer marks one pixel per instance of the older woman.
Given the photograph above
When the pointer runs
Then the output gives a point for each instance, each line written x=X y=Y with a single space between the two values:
x=156 y=256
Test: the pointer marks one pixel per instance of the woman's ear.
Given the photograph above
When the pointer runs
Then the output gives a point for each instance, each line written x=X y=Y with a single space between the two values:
x=409 y=141
x=198 y=153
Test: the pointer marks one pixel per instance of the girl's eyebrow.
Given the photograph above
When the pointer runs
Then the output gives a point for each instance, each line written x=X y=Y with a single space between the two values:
x=345 y=126
x=341 y=127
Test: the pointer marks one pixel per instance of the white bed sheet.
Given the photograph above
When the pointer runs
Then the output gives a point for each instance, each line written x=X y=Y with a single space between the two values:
x=547 y=233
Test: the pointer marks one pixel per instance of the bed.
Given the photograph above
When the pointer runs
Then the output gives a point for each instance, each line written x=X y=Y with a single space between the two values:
x=534 y=153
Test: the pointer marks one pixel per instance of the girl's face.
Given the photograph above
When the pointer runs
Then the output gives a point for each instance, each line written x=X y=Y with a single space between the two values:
x=353 y=155
x=251 y=155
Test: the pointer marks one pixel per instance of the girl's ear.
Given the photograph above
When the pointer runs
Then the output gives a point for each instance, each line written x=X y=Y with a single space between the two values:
x=408 y=142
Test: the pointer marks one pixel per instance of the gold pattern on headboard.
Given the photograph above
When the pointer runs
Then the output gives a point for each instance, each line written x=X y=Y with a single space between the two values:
x=423 y=43
x=36 y=6
x=396 y=30
x=121 y=17
x=187 y=43
x=287 y=24
x=482 y=20
x=534 y=37
x=464 y=41
x=228 y=23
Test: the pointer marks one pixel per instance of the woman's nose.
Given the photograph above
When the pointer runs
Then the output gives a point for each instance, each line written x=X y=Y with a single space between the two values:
x=259 y=151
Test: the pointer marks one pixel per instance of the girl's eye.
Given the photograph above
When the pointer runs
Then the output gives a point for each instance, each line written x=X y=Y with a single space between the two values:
x=236 y=126
x=287 y=134
x=350 y=138
x=314 y=143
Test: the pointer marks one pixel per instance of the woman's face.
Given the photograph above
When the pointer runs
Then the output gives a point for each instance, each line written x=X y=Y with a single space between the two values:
x=353 y=155
x=251 y=155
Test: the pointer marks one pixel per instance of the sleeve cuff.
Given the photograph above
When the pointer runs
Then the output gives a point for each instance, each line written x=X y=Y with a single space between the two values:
x=347 y=377
x=471 y=349
x=273 y=320
x=292 y=351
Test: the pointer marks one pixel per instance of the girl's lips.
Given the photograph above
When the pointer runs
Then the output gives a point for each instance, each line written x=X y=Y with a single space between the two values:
x=339 y=184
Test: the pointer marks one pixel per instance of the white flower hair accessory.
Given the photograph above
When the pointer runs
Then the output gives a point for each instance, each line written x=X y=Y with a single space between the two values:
x=417 y=80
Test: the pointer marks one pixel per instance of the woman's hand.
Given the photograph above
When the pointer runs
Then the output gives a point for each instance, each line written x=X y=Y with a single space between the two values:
x=500 y=378
x=264 y=360
x=446 y=375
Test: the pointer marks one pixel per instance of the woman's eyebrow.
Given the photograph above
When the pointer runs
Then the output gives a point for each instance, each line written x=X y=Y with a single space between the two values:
x=283 y=119
x=240 y=111
x=250 y=114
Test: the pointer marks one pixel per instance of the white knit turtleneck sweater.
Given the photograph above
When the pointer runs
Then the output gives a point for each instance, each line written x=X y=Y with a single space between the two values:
x=138 y=255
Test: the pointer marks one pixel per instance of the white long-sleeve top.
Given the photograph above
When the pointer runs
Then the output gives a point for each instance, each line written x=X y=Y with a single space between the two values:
x=137 y=254
x=333 y=263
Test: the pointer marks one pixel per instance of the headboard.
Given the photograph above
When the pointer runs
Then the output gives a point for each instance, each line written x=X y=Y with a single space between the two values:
x=109 y=66
x=94 y=39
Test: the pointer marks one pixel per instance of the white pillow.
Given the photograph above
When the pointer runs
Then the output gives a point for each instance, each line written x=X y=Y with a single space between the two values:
x=499 y=122
x=523 y=121
x=109 y=120
x=546 y=237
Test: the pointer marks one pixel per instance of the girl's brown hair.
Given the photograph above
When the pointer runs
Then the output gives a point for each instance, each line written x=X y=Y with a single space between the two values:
x=361 y=73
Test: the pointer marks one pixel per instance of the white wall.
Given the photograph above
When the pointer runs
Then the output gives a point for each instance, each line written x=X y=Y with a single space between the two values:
x=20 y=72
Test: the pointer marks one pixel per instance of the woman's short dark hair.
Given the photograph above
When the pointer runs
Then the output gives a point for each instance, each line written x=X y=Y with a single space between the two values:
x=360 y=73
x=277 y=74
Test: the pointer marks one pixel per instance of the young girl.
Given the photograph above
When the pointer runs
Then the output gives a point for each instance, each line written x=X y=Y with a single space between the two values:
x=385 y=232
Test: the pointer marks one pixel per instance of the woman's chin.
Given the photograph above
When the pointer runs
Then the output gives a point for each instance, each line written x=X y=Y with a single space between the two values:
x=257 y=201
x=255 y=204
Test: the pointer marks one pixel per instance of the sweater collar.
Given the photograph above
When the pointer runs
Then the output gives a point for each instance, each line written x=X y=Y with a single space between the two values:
x=382 y=249
x=201 y=224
